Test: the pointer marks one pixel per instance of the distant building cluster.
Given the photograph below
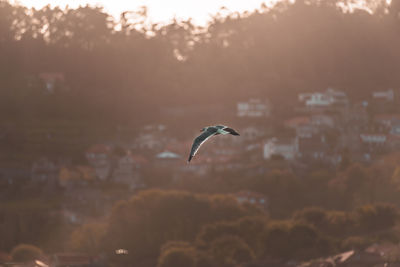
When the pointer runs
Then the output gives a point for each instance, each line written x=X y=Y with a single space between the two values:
x=323 y=126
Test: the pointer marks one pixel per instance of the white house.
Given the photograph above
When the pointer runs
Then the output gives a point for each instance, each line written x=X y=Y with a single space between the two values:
x=167 y=155
x=286 y=147
x=168 y=159
x=384 y=95
x=318 y=100
x=373 y=139
x=395 y=128
x=330 y=97
x=322 y=120
x=255 y=108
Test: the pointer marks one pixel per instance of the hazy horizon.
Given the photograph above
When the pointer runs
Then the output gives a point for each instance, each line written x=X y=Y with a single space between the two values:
x=164 y=12
x=160 y=11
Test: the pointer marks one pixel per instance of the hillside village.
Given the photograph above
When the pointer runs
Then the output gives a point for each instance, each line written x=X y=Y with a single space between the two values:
x=325 y=127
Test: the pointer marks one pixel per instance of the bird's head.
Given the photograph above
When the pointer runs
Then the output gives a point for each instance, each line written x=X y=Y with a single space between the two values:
x=202 y=130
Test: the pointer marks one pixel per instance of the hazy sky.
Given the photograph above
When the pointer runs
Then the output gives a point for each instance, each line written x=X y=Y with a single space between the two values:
x=160 y=10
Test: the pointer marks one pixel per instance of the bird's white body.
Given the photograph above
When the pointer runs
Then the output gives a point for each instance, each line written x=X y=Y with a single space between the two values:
x=220 y=129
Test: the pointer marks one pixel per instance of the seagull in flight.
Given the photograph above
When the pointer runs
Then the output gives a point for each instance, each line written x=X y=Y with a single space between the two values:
x=207 y=132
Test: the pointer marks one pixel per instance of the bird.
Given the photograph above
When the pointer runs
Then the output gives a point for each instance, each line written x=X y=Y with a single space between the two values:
x=208 y=132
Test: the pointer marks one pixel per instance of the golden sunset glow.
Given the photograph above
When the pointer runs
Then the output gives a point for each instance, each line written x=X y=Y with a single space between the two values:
x=192 y=133
x=159 y=10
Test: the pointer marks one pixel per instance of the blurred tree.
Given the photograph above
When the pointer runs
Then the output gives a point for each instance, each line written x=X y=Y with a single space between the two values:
x=331 y=223
x=88 y=238
x=4 y=257
x=295 y=240
x=26 y=253
x=211 y=232
x=276 y=238
x=376 y=217
x=355 y=243
x=151 y=218
x=205 y=259
x=394 y=10
x=177 y=254
x=304 y=241
x=231 y=251
x=248 y=229
x=355 y=178
x=280 y=186
x=339 y=224
x=8 y=15
x=30 y=221
x=312 y=215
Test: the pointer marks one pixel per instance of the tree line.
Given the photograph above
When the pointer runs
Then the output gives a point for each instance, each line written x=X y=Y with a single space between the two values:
x=172 y=228
x=116 y=69
x=186 y=224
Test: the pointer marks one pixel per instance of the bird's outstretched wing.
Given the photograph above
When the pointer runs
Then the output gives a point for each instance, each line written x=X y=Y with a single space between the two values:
x=200 y=140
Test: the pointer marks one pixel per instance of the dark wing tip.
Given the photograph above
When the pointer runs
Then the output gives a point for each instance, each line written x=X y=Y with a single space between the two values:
x=231 y=131
x=190 y=158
